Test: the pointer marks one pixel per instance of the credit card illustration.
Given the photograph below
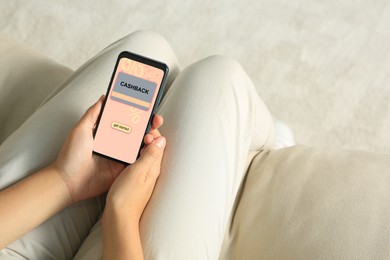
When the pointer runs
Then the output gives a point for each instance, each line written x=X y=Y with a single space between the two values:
x=133 y=91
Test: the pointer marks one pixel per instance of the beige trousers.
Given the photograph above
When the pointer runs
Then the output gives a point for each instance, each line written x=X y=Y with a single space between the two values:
x=215 y=122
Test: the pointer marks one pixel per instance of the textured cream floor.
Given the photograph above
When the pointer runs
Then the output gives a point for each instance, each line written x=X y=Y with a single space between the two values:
x=321 y=66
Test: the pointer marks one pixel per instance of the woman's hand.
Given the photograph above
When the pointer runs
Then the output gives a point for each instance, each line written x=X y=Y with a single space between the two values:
x=131 y=191
x=128 y=197
x=85 y=174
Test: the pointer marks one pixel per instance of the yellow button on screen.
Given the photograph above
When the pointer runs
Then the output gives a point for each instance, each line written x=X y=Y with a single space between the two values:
x=121 y=127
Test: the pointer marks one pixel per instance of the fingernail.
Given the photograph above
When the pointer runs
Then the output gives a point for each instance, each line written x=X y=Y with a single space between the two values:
x=160 y=142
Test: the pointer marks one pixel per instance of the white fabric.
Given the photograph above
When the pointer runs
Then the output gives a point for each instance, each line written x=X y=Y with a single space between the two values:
x=284 y=136
x=214 y=124
x=320 y=66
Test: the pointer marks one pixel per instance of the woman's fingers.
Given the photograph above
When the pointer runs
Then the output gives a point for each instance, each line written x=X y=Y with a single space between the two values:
x=157 y=122
x=152 y=153
x=148 y=138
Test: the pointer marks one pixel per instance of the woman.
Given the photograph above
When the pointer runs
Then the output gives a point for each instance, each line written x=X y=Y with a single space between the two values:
x=214 y=123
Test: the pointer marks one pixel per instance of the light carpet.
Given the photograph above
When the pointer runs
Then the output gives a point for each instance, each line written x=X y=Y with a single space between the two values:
x=323 y=67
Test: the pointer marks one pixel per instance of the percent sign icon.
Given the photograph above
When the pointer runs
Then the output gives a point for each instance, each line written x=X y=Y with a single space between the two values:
x=134 y=115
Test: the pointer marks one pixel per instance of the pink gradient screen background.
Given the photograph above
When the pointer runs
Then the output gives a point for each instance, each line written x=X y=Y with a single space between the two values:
x=113 y=142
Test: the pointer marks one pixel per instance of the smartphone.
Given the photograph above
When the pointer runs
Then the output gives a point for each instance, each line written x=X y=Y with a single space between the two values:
x=133 y=95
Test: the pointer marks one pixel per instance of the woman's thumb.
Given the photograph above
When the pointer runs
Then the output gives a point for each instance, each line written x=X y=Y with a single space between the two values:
x=152 y=152
x=90 y=116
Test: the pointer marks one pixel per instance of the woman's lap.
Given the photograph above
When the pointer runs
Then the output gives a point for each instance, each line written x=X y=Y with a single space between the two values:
x=213 y=120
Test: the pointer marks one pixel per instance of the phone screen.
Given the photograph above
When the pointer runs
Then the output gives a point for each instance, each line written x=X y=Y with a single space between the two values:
x=130 y=101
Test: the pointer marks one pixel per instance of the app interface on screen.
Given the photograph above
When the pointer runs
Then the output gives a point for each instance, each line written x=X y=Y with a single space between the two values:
x=128 y=108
